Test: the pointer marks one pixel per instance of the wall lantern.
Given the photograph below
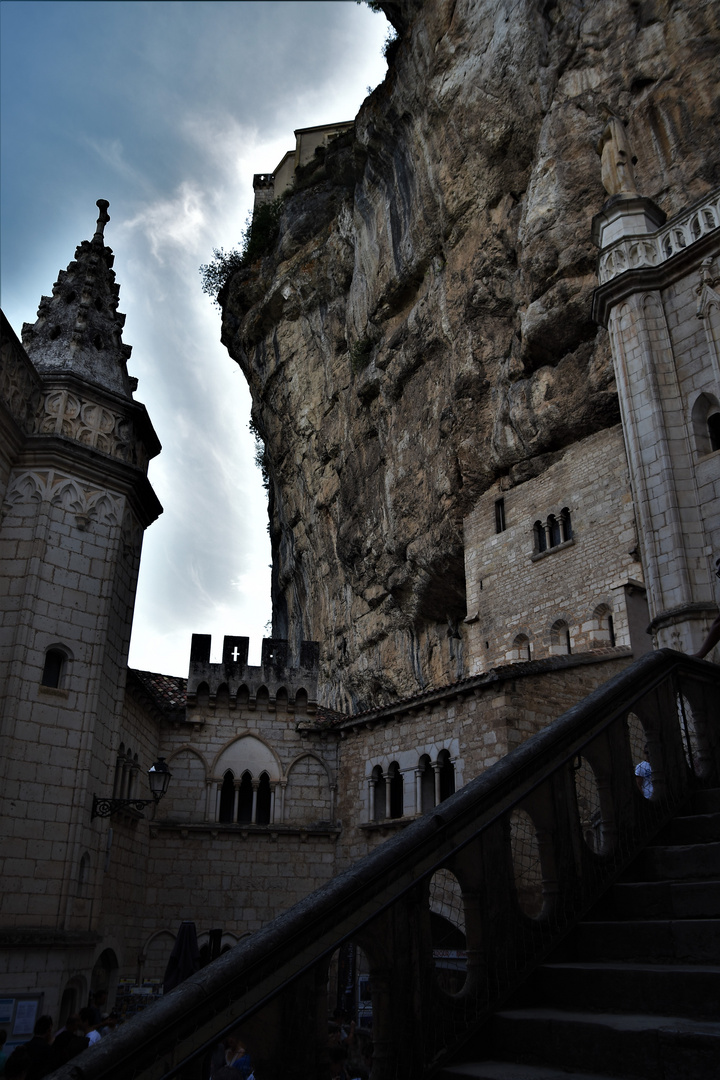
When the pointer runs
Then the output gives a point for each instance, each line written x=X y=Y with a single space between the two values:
x=158 y=779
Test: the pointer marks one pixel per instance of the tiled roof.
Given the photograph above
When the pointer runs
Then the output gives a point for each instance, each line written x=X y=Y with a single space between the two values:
x=167 y=692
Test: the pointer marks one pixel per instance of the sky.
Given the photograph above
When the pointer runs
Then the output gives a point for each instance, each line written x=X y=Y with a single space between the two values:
x=167 y=109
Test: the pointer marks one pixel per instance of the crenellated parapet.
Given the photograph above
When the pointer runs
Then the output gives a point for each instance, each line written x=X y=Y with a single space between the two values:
x=282 y=680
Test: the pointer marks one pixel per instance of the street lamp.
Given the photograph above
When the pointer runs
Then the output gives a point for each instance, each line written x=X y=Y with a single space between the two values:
x=158 y=779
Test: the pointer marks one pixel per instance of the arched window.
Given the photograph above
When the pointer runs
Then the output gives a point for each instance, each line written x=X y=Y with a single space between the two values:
x=202 y=695
x=554 y=529
x=263 y=801
x=396 y=791
x=714 y=430
x=565 y=524
x=447 y=775
x=83 y=872
x=54 y=668
x=560 y=641
x=706 y=424
x=227 y=797
x=540 y=541
x=427 y=784
x=521 y=648
x=377 y=782
x=245 y=800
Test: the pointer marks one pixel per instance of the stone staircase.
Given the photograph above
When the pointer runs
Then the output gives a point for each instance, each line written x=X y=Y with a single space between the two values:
x=634 y=992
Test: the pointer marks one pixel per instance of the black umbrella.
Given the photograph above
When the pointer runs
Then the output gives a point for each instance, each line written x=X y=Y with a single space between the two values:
x=184 y=959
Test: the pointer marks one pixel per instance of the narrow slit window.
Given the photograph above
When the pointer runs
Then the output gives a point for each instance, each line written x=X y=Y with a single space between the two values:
x=500 y=515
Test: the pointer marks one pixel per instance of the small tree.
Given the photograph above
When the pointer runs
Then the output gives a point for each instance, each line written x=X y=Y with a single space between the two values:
x=260 y=233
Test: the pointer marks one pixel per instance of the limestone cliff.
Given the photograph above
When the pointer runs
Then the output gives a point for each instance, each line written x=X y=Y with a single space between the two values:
x=423 y=324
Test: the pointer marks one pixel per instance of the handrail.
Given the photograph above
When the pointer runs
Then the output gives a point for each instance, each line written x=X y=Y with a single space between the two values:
x=157 y=1042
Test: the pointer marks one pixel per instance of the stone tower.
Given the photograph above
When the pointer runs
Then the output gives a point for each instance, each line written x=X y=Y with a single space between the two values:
x=76 y=501
x=658 y=298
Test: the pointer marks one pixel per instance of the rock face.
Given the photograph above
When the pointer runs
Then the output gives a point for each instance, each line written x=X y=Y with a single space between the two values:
x=423 y=324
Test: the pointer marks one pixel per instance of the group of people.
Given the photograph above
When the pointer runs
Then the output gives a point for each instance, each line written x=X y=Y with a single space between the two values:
x=49 y=1049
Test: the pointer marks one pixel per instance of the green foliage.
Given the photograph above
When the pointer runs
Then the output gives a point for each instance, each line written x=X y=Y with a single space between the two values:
x=360 y=353
x=260 y=233
x=261 y=459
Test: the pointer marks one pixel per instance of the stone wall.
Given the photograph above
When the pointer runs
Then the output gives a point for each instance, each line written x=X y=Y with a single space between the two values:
x=475 y=722
x=518 y=596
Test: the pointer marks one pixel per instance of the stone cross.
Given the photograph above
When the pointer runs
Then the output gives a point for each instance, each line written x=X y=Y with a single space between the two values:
x=235 y=653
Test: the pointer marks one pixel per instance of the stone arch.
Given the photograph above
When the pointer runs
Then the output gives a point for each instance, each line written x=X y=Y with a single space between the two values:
x=156 y=953
x=249 y=753
x=705 y=423
x=69 y=496
x=186 y=795
x=262 y=697
x=560 y=639
x=301 y=700
x=308 y=795
x=202 y=695
x=243 y=695
x=521 y=648
x=56 y=666
x=397 y=790
x=222 y=695
x=26 y=487
x=281 y=698
x=601 y=626
x=427 y=783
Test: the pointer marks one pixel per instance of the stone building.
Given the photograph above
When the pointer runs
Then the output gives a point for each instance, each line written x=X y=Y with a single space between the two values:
x=272 y=792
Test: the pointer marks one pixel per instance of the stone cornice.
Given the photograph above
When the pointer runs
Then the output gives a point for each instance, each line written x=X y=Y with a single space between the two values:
x=57 y=452
x=39 y=937
x=655 y=278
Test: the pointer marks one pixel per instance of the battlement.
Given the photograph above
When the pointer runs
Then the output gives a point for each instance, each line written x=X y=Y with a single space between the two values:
x=280 y=678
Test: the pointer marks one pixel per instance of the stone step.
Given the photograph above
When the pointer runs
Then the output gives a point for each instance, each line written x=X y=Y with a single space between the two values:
x=684 y=862
x=678 y=941
x=685 y=990
x=705 y=802
x=691 y=829
x=660 y=900
x=634 y=1045
x=510 y=1070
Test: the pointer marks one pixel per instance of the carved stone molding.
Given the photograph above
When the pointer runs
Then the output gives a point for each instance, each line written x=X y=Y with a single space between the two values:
x=63 y=413
x=89 y=504
x=637 y=252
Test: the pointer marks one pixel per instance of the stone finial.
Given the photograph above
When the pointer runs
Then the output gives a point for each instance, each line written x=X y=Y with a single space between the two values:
x=102 y=220
x=616 y=156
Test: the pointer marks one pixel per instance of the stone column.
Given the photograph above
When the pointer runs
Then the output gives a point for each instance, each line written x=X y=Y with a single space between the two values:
x=388 y=782
x=273 y=785
x=236 y=800
x=253 y=814
x=371 y=798
x=418 y=791
x=283 y=785
x=436 y=770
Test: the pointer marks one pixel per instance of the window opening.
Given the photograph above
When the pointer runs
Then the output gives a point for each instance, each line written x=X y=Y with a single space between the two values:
x=245 y=800
x=540 y=541
x=227 y=797
x=499 y=515
x=447 y=775
x=53 y=669
x=396 y=791
x=263 y=800
x=714 y=431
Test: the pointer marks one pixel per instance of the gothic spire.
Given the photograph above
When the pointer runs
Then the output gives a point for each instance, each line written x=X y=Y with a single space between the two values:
x=79 y=329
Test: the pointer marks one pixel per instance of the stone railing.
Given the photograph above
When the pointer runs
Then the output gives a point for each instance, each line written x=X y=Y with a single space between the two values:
x=509 y=863
x=635 y=252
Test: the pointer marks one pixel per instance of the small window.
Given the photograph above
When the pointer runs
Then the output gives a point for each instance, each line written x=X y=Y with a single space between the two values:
x=227 y=797
x=554 y=527
x=396 y=791
x=714 y=430
x=540 y=541
x=54 y=668
x=499 y=515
